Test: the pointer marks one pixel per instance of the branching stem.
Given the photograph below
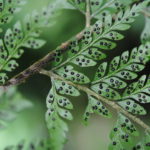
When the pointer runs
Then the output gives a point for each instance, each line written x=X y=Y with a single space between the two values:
x=106 y=101
x=88 y=14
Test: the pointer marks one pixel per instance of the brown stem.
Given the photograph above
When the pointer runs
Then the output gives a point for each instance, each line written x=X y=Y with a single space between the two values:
x=88 y=14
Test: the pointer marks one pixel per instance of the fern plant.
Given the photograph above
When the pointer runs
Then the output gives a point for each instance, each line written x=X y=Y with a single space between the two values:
x=116 y=83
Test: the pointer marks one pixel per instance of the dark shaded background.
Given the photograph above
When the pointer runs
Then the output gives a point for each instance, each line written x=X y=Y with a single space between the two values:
x=30 y=124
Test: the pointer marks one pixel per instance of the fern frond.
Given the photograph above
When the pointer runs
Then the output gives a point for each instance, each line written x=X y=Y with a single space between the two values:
x=136 y=92
x=11 y=103
x=8 y=8
x=123 y=134
x=21 y=36
x=58 y=108
x=114 y=76
x=96 y=40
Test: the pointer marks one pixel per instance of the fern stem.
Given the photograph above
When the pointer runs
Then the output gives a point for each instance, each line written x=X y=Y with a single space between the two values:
x=36 y=67
x=106 y=101
x=19 y=45
x=88 y=14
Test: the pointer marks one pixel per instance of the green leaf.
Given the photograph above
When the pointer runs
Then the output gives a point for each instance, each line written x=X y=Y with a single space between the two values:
x=97 y=39
x=25 y=145
x=122 y=68
x=83 y=61
x=100 y=8
x=144 y=144
x=104 y=90
x=56 y=126
x=94 y=54
x=69 y=73
x=65 y=114
x=132 y=107
x=34 y=43
x=122 y=134
x=139 y=91
x=95 y=106
x=11 y=104
x=105 y=45
x=64 y=88
x=19 y=37
x=8 y=9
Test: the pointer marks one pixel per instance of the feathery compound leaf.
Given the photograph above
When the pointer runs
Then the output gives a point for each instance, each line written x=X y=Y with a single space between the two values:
x=58 y=108
x=8 y=8
x=120 y=69
x=95 y=40
x=22 y=36
x=11 y=103
x=95 y=106
x=122 y=134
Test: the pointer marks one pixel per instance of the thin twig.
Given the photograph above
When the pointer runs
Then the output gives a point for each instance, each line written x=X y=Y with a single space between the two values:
x=111 y=103
x=88 y=14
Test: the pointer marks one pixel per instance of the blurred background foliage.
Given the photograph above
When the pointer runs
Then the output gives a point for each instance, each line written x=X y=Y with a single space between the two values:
x=30 y=124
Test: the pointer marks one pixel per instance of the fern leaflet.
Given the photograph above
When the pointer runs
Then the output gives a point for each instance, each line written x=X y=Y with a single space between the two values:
x=123 y=134
x=10 y=109
x=8 y=8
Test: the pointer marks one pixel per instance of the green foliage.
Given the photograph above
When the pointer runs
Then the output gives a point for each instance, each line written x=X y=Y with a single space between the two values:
x=95 y=106
x=139 y=92
x=21 y=36
x=144 y=144
x=58 y=108
x=100 y=8
x=8 y=8
x=95 y=41
x=123 y=134
x=111 y=80
x=42 y=145
x=112 y=77
x=10 y=109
